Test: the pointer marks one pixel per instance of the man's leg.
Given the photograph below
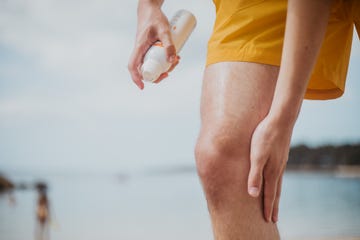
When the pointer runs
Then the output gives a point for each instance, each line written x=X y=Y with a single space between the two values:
x=236 y=97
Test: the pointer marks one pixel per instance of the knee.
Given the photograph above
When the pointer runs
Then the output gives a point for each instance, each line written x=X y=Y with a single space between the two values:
x=221 y=165
x=215 y=155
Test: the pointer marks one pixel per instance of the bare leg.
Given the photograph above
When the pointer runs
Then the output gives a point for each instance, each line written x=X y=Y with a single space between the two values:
x=236 y=97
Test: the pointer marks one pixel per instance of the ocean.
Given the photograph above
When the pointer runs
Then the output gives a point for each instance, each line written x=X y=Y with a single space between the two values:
x=165 y=205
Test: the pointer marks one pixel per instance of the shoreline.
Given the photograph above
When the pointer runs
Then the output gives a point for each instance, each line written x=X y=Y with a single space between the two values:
x=324 y=238
x=341 y=171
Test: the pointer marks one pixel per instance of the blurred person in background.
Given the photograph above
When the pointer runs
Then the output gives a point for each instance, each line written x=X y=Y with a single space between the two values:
x=42 y=213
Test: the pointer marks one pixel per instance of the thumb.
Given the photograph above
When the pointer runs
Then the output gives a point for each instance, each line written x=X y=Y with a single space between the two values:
x=169 y=46
x=255 y=178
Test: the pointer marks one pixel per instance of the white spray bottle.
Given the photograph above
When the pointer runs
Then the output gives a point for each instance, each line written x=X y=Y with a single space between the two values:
x=155 y=62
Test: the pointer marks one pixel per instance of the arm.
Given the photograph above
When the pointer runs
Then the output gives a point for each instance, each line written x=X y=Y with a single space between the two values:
x=305 y=29
x=152 y=26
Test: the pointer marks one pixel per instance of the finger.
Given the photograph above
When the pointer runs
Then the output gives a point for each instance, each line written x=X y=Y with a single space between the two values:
x=174 y=64
x=133 y=68
x=165 y=38
x=166 y=74
x=136 y=61
x=162 y=76
x=255 y=178
x=275 y=213
x=270 y=189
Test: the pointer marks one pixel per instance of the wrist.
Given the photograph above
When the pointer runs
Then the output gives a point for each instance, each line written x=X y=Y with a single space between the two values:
x=147 y=8
x=143 y=4
x=284 y=115
x=287 y=100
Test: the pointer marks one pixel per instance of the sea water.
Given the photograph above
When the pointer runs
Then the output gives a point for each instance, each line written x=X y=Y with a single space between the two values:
x=162 y=206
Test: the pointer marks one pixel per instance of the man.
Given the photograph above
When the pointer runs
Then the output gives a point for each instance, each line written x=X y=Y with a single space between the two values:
x=263 y=58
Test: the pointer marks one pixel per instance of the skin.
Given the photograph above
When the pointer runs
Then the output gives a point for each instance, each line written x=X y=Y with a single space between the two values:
x=152 y=26
x=246 y=129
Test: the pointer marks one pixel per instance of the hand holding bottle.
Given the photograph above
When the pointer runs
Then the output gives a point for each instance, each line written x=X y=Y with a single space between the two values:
x=152 y=26
x=155 y=61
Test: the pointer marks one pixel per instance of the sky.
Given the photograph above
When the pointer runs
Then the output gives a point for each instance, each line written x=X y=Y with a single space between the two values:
x=67 y=101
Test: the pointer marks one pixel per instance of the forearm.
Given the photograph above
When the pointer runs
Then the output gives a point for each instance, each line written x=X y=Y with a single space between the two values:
x=149 y=3
x=305 y=29
x=148 y=11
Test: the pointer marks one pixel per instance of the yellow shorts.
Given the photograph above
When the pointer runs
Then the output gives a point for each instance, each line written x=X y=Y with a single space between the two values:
x=253 y=31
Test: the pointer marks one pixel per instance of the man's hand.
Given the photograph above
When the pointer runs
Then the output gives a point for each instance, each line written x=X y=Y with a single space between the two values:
x=152 y=26
x=268 y=156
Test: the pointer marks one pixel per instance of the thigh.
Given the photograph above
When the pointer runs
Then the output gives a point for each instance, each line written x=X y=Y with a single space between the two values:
x=236 y=96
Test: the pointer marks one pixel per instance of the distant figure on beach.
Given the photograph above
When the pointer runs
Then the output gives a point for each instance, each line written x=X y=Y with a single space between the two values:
x=42 y=213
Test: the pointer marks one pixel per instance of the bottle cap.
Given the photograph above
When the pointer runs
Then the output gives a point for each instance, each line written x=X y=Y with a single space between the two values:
x=151 y=70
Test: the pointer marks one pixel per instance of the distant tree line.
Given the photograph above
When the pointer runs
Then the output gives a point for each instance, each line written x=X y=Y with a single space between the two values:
x=324 y=156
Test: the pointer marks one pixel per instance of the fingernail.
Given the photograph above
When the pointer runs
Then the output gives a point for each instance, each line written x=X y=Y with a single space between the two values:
x=254 y=191
x=275 y=219
x=171 y=58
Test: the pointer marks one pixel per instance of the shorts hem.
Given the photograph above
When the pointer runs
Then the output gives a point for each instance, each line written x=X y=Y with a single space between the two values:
x=243 y=56
x=323 y=94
